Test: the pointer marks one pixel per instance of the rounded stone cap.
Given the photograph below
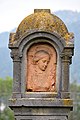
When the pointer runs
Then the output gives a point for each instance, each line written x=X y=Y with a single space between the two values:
x=43 y=20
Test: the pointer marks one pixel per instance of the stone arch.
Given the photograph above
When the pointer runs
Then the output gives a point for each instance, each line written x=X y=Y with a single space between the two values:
x=48 y=38
x=28 y=38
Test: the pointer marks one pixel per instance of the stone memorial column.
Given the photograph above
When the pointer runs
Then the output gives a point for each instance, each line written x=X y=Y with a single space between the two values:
x=41 y=50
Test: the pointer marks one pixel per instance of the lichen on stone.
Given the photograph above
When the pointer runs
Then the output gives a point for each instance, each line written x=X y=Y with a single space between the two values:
x=44 y=21
x=67 y=102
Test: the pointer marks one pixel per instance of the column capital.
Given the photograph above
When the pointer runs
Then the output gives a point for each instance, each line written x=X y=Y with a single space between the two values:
x=15 y=55
x=66 y=56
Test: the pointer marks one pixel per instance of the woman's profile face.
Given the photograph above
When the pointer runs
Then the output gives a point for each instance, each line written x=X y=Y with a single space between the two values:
x=43 y=63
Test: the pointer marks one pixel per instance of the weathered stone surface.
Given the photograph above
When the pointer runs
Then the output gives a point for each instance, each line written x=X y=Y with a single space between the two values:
x=41 y=108
x=41 y=102
x=43 y=118
x=43 y=20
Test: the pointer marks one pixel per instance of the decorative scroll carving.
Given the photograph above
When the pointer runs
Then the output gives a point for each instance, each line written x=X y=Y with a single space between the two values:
x=41 y=68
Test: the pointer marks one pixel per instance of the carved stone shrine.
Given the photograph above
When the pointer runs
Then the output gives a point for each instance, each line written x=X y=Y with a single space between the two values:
x=41 y=50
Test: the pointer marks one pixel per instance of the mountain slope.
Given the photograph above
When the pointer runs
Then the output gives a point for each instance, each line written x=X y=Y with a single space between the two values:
x=72 y=21
x=4 y=38
x=5 y=63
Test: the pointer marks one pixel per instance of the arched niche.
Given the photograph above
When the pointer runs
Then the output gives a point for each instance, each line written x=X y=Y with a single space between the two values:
x=41 y=68
x=19 y=55
x=47 y=45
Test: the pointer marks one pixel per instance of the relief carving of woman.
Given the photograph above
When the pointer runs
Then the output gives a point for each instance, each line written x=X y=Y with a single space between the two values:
x=41 y=79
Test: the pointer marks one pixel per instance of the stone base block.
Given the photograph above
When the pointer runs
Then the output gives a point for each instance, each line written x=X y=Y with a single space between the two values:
x=41 y=108
x=41 y=118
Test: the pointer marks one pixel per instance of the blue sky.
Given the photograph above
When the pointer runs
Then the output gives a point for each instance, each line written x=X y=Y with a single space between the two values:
x=13 y=11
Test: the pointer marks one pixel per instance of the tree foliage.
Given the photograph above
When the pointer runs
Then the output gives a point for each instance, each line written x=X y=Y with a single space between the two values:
x=6 y=85
x=5 y=94
x=75 y=95
x=7 y=114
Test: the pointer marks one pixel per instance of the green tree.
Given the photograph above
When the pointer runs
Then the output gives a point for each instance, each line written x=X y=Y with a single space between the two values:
x=7 y=114
x=5 y=88
x=5 y=94
x=75 y=95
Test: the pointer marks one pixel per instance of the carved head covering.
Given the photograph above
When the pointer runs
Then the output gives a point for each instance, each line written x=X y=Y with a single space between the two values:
x=39 y=55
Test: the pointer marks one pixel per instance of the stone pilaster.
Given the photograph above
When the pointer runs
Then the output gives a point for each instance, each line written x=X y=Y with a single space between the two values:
x=66 y=61
x=16 y=73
